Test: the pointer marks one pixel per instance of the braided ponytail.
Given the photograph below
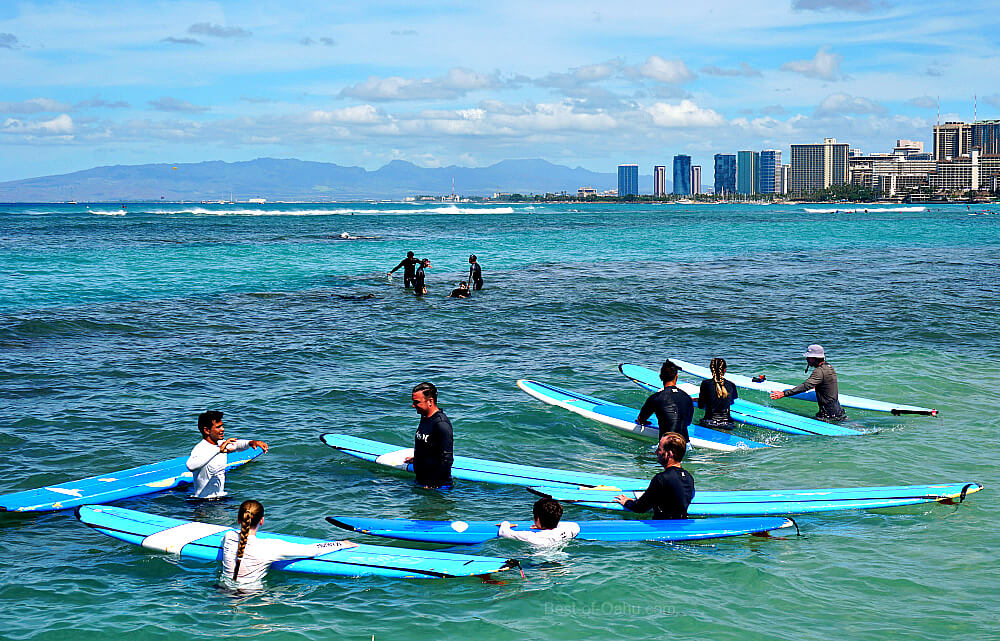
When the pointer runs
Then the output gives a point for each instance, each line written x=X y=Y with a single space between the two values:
x=718 y=368
x=251 y=513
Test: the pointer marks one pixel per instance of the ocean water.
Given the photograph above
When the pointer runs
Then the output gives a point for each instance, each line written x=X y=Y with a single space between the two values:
x=117 y=329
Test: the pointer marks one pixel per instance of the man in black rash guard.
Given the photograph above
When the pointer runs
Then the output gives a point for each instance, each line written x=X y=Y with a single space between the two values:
x=433 y=443
x=409 y=265
x=475 y=274
x=672 y=405
x=824 y=380
x=418 y=281
x=670 y=492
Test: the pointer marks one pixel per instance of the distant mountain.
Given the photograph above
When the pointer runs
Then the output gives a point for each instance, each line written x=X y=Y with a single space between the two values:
x=290 y=179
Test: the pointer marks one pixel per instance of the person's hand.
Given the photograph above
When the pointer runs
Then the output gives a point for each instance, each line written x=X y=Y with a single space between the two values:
x=776 y=395
x=408 y=459
x=259 y=445
x=622 y=499
x=224 y=445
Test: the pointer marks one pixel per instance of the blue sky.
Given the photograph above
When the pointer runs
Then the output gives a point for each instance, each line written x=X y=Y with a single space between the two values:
x=582 y=83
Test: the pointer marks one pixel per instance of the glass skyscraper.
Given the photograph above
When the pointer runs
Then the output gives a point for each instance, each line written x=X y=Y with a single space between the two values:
x=628 y=180
x=748 y=172
x=770 y=171
x=725 y=174
x=682 y=175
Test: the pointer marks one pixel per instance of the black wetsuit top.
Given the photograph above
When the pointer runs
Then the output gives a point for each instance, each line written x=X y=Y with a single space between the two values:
x=673 y=408
x=475 y=276
x=824 y=380
x=409 y=266
x=432 y=451
x=458 y=292
x=716 y=409
x=418 y=281
x=669 y=494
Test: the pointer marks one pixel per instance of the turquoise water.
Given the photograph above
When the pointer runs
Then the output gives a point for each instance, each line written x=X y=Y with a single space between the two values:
x=117 y=330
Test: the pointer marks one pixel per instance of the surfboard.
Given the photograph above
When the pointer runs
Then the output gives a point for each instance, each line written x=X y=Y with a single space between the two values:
x=112 y=486
x=474 y=469
x=203 y=541
x=773 y=386
x=773 y=502
x=472 y=532
x=744 y=411
x=623 y=418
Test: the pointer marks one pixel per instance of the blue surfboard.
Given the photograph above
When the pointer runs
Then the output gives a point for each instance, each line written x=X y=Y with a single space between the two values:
x=623 y=418
x=744 y=411
x=112 y=486
x=773 y=502
x=203 y=541
x=472 y=532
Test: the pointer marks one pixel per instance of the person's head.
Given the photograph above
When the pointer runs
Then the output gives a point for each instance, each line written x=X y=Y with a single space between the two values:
x=814 y=355
x=472 y=258
x=425 y=399
x=210 y=425
x=671 y=449
x=426 y=262
x=547 y=513
x=668 y=373
x=463 y=285
x=409 y=254
x=718 y=369
x=250 y=515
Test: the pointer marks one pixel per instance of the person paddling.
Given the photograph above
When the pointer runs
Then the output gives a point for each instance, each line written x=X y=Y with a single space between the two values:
x=824 y=380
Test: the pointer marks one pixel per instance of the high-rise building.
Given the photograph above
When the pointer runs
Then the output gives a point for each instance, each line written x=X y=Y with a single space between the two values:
x=748 y=173
x=628 y=180
x=682 y=175
x=986 y=136
x=695 y=179
x=784 y=179
x=660 y=181
x=819 y=166
x=725 y=174
x=952 y=140
x=908 y=148
x=770 y=171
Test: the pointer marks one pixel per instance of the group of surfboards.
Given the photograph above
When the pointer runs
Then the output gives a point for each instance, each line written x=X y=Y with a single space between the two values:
x=723 y=513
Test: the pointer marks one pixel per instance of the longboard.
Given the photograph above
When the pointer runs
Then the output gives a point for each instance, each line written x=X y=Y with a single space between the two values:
x=112 y=486
x=744 y=411
x=773 y=386
x=773 y=502
x=203 y=541
x=623 y=418
x=472 y=532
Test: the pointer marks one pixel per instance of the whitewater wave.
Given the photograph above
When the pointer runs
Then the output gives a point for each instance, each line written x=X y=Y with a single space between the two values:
x=110 y=212
x=861 y=210
x=202 y=211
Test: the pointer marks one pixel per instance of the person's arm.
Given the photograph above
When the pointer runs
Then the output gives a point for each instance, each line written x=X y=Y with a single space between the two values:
x=646 y=411
x=507 y=532
x=201 y=455
x=645 y=502
x=814 y=379
x=401 y=263
x=283 y=550
x=704 y=394
x=446 y=441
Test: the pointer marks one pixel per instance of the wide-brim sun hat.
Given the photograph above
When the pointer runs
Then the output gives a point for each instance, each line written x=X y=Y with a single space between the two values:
x=815 y=351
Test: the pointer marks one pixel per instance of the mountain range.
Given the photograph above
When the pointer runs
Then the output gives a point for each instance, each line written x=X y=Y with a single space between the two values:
x=290 y=179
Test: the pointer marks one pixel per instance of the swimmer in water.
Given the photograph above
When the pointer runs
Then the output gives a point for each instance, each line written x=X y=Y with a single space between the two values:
x=462 y=291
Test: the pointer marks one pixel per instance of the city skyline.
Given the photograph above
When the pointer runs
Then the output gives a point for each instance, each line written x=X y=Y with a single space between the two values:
x=101 y=83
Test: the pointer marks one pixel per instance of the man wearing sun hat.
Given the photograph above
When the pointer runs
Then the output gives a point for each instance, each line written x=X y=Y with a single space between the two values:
x=824 y=381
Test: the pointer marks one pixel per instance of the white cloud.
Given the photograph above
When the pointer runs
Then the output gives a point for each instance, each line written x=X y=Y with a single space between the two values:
x=684 y=114
x=166 y=103
x=841 y=103
x=61 y=125
x=33 y=106
x=743 y=70
x=218 y=31
x=357 y=115
x=825 y=66
x=669 y=71
x=456 y=83
x=858 y=6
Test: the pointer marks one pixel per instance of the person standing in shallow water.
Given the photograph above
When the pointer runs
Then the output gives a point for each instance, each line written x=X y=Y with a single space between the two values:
x=671 y=405
x=475 y=274
x=670 y=492
x=433 y=446
x=824 y=380
x=409 y=265
x=419 y=289
x=716 y=396
x=208 y=460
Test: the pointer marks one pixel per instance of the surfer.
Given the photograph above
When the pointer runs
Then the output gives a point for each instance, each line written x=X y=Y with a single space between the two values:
x=475 y=274
x=418 y=278
x=433 y=443
x=409 y=265
x=547 y=529
x=462 y=291
x=670 y=492
x=672 y=405
x=245 y=558
x=716 y=396
x=824 y=380
x=208 y=459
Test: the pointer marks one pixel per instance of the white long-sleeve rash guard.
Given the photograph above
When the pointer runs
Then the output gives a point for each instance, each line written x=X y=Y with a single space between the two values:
x=209 y=467
x=559 y=534
x=259 y=554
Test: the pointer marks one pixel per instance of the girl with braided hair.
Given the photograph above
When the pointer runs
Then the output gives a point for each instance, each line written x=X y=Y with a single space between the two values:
x=716 y=396
x=246 y=558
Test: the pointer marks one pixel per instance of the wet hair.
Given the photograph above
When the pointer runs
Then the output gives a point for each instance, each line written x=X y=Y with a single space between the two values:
x=718 y=369
x=668 y=371
x=205 y=419
x=409 y=254
x=472 y=258
x=251 y=513
x=675 y=444
x=548 y=512
x=425 y=261
x=428 y=390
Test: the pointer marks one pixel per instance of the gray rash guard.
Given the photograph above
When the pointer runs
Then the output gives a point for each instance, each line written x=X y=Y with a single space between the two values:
x=824 y=380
